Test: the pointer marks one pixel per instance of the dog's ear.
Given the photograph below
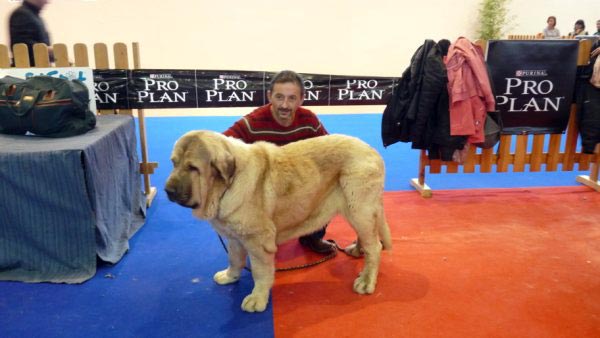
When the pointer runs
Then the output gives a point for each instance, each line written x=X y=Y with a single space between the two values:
x=224 y=164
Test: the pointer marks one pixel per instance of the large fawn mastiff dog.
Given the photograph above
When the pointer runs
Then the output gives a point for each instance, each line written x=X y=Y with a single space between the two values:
x=260 y=195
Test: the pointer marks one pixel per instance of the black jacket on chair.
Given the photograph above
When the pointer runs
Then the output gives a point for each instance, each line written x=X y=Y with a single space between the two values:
x=418 y=110
x=588 y=104
x=589 y=117
x=438 y=141
x=401 y=111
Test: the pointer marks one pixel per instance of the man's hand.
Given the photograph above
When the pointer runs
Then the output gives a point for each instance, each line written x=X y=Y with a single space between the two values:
x=595 y=52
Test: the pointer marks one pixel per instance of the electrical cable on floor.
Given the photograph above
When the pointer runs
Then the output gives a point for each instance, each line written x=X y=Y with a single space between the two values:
x=297 y=267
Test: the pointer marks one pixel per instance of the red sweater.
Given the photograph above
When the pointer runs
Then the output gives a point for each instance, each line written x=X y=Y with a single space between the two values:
x=260 y=125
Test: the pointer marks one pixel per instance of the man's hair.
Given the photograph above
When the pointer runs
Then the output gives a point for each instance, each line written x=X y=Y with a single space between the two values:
x=286 y=76
x=580 y=22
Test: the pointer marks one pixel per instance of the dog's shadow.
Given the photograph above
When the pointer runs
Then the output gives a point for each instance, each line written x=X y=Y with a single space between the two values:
x=329 y=285
x=332 y=284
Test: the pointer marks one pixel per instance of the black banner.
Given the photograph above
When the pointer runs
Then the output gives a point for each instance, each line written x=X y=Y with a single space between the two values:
x=533 y=82
x=348 y=91
x=316 y=87
x=110 y=86
x=161 y=88
x=230 y=88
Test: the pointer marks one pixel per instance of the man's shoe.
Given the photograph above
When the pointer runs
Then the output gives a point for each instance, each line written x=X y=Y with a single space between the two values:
x=317 y=245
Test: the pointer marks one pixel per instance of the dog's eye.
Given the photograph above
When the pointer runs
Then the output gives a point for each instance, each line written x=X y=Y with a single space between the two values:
x=191 y=167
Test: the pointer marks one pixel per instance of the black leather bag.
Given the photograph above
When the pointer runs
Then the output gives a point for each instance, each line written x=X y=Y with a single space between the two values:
x=492 y=130
x=45 y=106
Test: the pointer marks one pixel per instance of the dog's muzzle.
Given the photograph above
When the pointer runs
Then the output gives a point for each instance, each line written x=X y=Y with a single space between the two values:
x=178 y=197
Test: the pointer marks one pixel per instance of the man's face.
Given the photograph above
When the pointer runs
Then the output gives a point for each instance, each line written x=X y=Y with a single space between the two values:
x=285 y=100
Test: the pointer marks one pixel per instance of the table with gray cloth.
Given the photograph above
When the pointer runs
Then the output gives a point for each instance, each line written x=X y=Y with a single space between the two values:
x=64 y=201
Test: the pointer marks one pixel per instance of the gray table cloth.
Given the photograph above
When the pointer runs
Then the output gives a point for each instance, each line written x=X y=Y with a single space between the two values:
x=65 y=201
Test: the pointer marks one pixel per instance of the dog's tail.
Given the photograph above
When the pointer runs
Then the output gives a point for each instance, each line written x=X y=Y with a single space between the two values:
x=384 y=230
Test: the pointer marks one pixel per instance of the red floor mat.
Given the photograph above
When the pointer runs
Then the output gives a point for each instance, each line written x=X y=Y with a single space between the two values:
x=466 y=263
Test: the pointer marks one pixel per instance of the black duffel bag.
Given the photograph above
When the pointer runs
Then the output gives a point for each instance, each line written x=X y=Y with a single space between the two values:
x=45 y=106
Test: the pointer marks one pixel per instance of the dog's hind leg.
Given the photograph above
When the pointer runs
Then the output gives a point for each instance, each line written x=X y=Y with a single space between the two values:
x=355 y=249
x=362 y=210
x=237 y=260
x=371 y=248
x=384 y=230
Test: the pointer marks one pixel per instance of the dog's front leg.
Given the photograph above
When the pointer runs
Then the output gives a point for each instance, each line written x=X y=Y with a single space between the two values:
x=262 y=260
x=237 y=261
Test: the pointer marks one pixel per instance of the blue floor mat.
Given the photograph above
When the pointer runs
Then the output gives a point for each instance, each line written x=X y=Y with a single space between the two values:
x=163 y=286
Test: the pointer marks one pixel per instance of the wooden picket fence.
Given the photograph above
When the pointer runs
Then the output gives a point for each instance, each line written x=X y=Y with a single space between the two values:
x=525 y=36
x=120 y=53
x=523 y=159
x=537 y=36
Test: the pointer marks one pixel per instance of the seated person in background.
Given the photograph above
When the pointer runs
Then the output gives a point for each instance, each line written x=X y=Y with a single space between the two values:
x=578 y=29
x=597 y=28
x=551 y=32
x=283 y=121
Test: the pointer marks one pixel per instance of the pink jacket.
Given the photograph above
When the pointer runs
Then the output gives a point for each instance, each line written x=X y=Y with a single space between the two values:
x=469 y=89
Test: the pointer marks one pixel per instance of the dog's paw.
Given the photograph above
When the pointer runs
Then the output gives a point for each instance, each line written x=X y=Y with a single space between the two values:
x=354 y=250
x=255 y=303
x=364 y=284
x=225 y=277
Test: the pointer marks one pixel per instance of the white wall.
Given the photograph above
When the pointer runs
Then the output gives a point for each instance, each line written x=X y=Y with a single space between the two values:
x=345 y=37
x=352 y=37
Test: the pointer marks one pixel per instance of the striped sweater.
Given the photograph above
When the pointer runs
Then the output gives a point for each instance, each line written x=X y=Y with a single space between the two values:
x=260 y=125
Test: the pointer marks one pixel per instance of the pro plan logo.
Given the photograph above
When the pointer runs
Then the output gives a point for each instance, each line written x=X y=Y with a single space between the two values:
x=360 y=90
x=154 y=88
x=529 y=91
x=159 y=88
x=230 y=88
x=535 y=72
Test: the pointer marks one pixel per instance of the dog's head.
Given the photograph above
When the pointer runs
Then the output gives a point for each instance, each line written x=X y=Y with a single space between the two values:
x=203 y=169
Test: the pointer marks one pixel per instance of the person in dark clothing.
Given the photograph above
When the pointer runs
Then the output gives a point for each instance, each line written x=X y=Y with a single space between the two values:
x=26 y=26
x=283 y=121
x=588 y=104
x=578 y=29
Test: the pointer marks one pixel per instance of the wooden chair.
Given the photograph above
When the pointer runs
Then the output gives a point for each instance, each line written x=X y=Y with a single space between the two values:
x=502 y=157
